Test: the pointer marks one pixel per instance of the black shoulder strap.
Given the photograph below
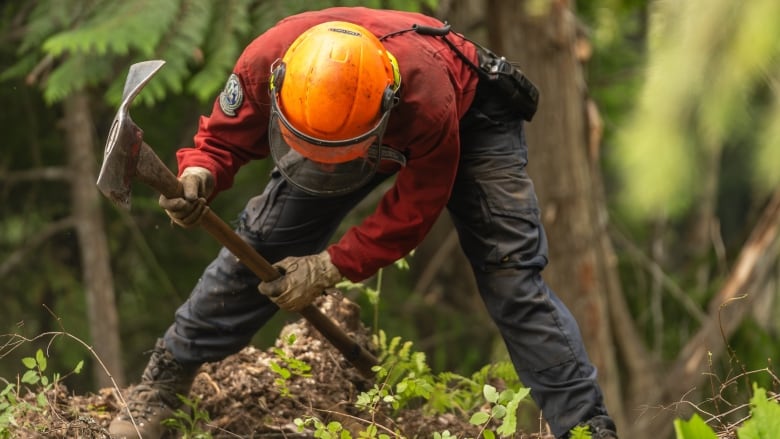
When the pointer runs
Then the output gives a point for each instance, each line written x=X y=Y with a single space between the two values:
x=442 y=32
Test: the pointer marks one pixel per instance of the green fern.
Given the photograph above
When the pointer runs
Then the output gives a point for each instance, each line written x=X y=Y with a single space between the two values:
x=50 y=17
x=190 y=420
x=76 y=72
x=85 y=40
x=582 y=432
x=118 y=28
x=407 y=378
x=182 y=46
x=230 y=30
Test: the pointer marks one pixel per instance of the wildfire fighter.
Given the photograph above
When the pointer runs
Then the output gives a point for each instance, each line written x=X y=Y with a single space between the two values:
x=341 y=100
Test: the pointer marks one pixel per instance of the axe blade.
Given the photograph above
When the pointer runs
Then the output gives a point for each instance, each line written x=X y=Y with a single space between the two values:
x=120 y=157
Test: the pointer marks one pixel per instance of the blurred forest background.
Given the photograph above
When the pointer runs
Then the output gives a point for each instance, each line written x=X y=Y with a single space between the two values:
x=654 y=154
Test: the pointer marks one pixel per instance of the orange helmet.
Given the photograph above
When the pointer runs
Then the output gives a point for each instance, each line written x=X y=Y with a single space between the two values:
x=331 y=96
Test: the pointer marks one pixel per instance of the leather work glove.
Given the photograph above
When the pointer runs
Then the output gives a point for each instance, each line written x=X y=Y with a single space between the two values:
x=304 y=278
x=186 y=211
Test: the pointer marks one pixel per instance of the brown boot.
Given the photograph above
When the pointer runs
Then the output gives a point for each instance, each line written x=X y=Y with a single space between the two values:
x=155 y=398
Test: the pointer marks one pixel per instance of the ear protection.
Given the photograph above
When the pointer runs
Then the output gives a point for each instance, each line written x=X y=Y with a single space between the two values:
x=389 y=102
x=277 y=76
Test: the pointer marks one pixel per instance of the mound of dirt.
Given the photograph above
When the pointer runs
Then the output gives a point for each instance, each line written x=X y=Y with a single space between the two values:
x=245 y=398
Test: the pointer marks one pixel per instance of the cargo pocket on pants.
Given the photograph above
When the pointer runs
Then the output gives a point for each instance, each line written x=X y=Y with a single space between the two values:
x=500 y=213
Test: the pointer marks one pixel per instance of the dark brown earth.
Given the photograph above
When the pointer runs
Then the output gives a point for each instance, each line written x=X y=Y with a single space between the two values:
x=242 y=400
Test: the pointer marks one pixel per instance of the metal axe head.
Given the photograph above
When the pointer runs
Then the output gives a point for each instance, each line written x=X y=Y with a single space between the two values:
x=125 y=139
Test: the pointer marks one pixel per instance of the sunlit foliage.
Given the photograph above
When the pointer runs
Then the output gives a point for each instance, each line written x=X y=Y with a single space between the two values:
x=711 y=82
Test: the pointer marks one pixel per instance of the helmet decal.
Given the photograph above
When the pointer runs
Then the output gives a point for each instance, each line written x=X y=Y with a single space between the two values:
x=344 y=31
x=232 y=96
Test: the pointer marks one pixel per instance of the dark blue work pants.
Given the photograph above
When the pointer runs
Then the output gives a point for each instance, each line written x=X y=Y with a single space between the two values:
x=495 y=211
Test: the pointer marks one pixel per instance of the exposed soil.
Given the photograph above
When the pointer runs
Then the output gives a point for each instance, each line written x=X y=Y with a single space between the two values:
x=243 y=401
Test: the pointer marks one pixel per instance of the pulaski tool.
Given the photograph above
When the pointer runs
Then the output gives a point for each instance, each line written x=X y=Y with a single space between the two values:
x=128 y=157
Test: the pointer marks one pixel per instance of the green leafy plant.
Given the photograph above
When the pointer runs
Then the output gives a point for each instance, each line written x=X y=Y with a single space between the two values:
x=404 y=379
x=407 y=373
x=764 y=421
x=402 y=370
x=580 y=432
x=765 y=417
x=372 y=432
x=695 y=428
x=287 y=367
x=331 y=430
x=36 y=366
x=503 y=409
x=188 y=420
x=11 y=401
x=462 y=395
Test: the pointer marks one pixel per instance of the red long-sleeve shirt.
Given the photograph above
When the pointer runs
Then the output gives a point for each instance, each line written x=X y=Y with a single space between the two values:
x=437 y=89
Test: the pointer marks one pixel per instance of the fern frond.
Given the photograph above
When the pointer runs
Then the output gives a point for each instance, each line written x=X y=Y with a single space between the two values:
x=44 y=20
x=118 y=27
x=420 y=363
x=180 y=45
x=19 y=69
x=75 y=73
x=231 y=30
x=49 y=17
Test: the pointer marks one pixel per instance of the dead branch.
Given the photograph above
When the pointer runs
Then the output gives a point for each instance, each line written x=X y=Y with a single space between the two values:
x=670 y=286
x=725 y=314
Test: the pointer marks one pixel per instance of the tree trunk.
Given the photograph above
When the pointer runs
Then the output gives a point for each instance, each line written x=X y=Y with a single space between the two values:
x=98 y=279
x=564 y=138
x=542 y=38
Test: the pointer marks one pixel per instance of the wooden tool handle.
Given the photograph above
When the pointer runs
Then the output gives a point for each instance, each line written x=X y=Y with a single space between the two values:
x=152 y=171
x=359 y=357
